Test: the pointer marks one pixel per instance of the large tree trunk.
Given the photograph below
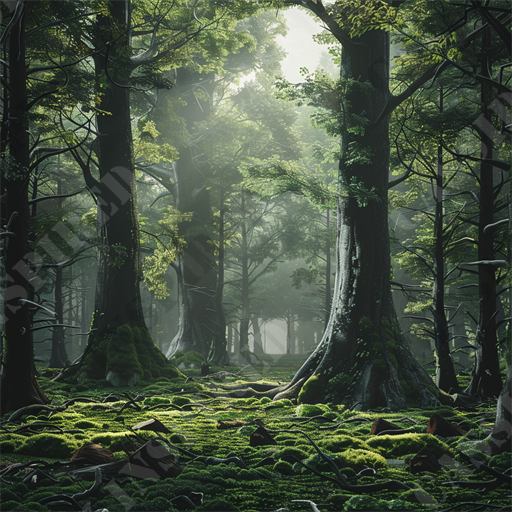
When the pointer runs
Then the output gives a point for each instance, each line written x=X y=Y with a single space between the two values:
x=363 y=357
x=118 y=318
x=486 y=379
x=19 y=385
x=201 y=317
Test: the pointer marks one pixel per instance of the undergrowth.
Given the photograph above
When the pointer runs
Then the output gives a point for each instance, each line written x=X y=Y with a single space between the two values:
x=275 y=475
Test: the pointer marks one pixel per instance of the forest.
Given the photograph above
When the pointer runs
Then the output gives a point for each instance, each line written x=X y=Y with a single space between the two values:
x=231 y=282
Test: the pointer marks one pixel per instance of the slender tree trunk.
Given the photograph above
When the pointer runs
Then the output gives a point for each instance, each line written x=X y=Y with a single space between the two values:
x=220 y=349
x=363 y=357
x=19 y=386
x=84 y=321
x=236 y=340
x=328 y=270
x=57 y=360
x=445 y=374
x=486 y=379
x=258 y=345
x=245 y=307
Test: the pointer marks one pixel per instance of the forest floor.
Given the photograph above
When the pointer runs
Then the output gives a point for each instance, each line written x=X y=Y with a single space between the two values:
x=201 y=432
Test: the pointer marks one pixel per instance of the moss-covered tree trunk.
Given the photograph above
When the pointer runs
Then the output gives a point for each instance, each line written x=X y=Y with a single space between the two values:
x=120 y=347
x=18 y=383
x=363 y=357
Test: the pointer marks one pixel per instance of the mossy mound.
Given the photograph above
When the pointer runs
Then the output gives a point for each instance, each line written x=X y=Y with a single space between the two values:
x=290 y=452
x=404 y=444
x=283 y=467
x=361 y=458
x=369 y=503
x=309 y=410
x=354 y=459
x=340 y=443
x=56 y=446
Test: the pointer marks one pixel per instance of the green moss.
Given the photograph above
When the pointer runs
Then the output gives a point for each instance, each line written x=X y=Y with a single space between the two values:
x=291 y=452
x=404 y=444
x=379 y=365
x=285 y=468
x=365 y=502
x=282 y=403
x=122 y=357
x=378 y=347
x=311 y=391
x=181 y=400
x=127 y=352
x=361 y=458
x=113 y=441
x=56 y=446
x=393 y=361
x=340 y=443
x=87 y=424
x=217 y=504
x=309 y=410
x=156 y=400
x=501 y=462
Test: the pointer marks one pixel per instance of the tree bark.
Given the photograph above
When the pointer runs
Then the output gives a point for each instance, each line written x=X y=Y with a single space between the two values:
x=58 y=358
x=445 y=372
x=19 y=385
x=119 y=330
x=363 y=357
x=486 y=380
x=201 y=317
x=258 y=344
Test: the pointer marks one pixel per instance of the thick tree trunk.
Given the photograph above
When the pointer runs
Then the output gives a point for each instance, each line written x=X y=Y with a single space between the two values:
x=486 y=379
x=19 y=386
x=201 y=316
x=120 y=347
x=363 y=356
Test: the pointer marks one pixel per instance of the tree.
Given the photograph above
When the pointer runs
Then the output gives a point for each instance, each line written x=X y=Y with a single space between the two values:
x=358 y=357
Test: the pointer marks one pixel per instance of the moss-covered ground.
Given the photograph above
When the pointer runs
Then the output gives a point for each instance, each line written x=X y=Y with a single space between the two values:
x=273 y=479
